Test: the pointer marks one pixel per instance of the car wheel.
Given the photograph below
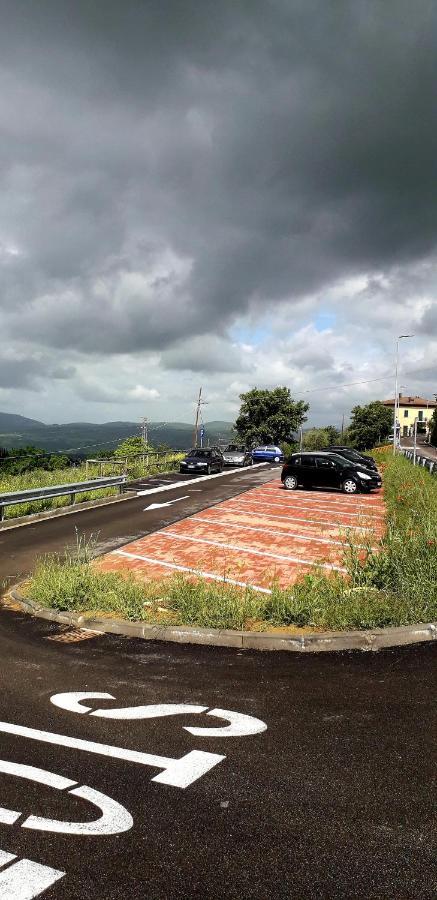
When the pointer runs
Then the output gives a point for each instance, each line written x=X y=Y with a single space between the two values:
x=208 y=470
x=276 y=458
x=349 y=486
x=290 y=483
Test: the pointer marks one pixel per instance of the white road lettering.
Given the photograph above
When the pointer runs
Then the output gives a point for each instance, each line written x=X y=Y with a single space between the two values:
x=71 y=702
x=32 y=773
x=25 y=880
x=8 y=816
x=6 y=858
x=239 y=723
x=114 y=819
x=177 y=772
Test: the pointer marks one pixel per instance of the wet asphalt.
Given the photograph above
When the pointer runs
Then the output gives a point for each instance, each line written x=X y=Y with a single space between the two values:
x=335 y=799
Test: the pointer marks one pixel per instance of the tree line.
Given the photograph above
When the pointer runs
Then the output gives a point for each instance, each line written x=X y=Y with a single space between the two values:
x=274 y=417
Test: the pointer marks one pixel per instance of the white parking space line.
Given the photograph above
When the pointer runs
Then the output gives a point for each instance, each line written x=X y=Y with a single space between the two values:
x=346 y=509
x=317 y=498
x=25 y=880
x=209 y=575
x=291 y=534
x=338 y=525
x=173 y=535
x=296 y=506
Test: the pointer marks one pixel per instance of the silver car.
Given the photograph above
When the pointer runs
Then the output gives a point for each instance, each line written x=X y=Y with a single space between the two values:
x=236 y=455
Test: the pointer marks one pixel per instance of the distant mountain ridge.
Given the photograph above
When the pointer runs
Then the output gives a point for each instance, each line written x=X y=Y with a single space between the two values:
x=19 y=431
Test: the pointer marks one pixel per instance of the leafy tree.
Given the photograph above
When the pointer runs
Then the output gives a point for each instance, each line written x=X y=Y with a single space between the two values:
x=288 y=448
x=334 y=435
x=131 y=446
x=269 y=416
x=316 y=439
x=58 y=461
x=370 y=424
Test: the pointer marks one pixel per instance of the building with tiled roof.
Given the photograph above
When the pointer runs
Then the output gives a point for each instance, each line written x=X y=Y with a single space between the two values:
x=410 y=409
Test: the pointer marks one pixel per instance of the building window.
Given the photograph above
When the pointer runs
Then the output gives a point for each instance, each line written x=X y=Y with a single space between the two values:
x=405 y=413
x=420 y=415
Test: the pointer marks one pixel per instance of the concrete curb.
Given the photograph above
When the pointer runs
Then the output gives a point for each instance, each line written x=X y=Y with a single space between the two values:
x=375 y=639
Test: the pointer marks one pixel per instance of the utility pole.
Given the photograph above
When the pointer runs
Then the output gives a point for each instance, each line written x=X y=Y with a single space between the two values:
x=144 y=431
x=396 y=400
x=144 y=437
x=200 y=403
x=415 y=442
x=342 y=428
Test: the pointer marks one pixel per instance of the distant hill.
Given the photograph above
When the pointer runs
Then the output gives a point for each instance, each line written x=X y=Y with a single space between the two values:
x=87 y=437
x=10 y=422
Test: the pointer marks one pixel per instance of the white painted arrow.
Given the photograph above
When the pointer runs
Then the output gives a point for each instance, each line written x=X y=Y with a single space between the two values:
x=169 y=503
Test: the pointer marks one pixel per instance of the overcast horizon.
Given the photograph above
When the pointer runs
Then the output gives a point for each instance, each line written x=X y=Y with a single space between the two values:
x=229 y=194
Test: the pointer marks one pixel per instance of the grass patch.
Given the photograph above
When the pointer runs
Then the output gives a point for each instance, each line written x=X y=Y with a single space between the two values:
x=45 y=478
x=396 y=584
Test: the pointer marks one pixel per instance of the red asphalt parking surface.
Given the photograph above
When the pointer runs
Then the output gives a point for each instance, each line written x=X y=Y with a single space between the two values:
x=259 y=536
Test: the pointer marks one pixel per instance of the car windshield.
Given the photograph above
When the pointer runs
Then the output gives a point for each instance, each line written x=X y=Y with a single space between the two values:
x=341 y=460
x=234 y=449
x=272 y=449
x=197 y=453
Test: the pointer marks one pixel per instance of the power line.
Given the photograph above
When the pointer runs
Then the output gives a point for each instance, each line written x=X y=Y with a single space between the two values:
x=335 y=387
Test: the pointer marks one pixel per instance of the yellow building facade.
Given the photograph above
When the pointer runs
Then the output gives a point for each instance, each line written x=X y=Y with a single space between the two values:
x=410 y=409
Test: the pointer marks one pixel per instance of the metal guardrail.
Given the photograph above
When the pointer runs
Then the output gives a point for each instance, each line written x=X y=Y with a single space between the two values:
x=424 y=461
x=59 y=490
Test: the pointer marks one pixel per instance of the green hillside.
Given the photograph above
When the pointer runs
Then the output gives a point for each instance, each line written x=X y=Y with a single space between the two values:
x=87 y=437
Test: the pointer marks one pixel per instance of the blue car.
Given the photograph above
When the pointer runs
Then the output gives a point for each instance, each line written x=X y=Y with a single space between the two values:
x=268 y=454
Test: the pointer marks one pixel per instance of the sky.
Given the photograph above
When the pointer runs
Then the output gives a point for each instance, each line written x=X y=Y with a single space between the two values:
x=220 y=194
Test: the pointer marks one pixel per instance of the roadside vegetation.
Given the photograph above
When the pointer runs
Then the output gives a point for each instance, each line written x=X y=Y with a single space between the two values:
x=396 y=584
x=135 y=467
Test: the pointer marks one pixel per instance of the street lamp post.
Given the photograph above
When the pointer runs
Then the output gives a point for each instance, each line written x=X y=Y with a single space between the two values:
x=399 y=338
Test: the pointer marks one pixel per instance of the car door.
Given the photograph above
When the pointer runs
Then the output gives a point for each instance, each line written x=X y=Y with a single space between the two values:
x=309 y=471
x=327 y=475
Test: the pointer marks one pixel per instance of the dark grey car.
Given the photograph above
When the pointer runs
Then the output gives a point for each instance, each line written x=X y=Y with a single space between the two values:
x=237 y=455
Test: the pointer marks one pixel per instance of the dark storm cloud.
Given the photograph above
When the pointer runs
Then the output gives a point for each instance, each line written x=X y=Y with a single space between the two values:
x=273 y=147
x=22 y=371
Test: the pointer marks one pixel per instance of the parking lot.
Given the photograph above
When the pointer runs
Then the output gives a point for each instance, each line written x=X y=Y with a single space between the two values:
x=262 y=535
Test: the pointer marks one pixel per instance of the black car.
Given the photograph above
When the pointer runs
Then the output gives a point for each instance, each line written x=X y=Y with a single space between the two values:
x=353 y=455
x=328 y=470
x=202 y=461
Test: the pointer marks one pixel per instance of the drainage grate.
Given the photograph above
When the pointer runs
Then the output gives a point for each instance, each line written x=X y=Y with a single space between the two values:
x=72 y=636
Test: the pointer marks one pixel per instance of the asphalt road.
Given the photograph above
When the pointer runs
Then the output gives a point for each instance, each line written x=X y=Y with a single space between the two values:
x=121 y=522
x=334 y=798
x=422 y=448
